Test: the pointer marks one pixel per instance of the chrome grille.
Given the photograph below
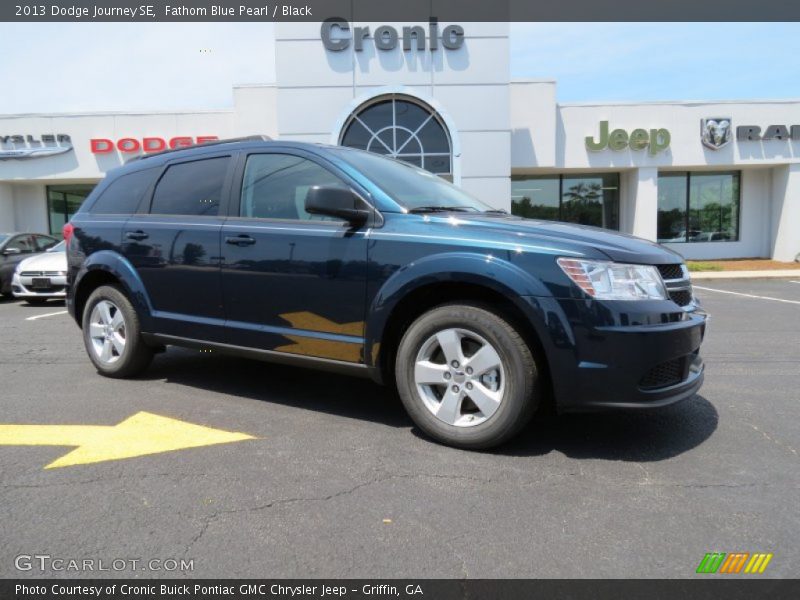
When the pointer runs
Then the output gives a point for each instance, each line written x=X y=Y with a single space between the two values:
x=42 y=273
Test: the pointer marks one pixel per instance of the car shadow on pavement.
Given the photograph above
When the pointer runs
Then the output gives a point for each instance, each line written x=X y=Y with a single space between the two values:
x=641 y=436
x=634 y=435
x=351 y=397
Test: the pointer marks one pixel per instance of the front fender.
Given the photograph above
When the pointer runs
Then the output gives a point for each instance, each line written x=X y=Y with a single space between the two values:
x=452 y=267
x=123 y=271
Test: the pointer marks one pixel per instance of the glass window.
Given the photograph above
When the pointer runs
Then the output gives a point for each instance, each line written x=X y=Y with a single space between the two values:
x=122 y=197
x=63 y=201
x=192 y=188
x=402 y=128
x=24 y=243
x=409 y=186
x=275 y=186
x=44 y=242
x=536 y=197
x=591 y=199
x=698 y=207
x=672 y=201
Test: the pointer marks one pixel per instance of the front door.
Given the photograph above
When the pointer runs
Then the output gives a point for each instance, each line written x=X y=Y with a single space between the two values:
x=292 y=282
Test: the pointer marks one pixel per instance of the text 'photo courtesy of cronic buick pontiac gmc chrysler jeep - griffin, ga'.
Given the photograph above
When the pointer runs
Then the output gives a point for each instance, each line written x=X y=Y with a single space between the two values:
x=340 y=259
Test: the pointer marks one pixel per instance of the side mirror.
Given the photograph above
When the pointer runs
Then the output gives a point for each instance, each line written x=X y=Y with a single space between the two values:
x=10 y=251
x=338 y=202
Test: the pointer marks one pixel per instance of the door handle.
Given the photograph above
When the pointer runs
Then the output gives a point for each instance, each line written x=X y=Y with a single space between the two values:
x=240 y=240
x=136 y=235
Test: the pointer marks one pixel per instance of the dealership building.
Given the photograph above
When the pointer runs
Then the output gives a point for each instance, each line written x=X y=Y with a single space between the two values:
x=710 y=179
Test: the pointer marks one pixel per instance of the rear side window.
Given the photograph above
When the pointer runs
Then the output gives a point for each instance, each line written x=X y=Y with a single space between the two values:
x=122 y=197
x=193 y=188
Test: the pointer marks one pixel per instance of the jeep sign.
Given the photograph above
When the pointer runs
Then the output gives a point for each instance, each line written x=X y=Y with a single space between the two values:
x=638 y=139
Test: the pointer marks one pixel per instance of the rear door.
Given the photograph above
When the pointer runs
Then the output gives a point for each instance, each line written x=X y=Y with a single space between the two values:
x=292 y=282
x=174 y=245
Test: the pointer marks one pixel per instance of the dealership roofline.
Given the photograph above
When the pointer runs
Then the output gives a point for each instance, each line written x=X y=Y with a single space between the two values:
x=121 y=113
x=596 y=103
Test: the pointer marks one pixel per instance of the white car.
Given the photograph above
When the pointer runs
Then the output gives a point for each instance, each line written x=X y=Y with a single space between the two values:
x=42 y=276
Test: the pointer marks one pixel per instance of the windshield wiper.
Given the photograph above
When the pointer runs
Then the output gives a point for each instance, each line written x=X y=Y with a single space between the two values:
x=428 y=209
x=495 y=211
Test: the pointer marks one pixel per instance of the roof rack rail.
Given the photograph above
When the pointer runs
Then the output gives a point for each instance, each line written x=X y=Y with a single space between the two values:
x=247 y=138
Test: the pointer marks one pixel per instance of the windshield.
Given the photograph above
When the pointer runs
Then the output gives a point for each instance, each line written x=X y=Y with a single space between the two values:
x=411 y=187
x=59 y=247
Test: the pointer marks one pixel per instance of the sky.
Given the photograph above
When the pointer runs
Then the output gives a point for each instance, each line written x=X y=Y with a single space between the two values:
x=86 y=67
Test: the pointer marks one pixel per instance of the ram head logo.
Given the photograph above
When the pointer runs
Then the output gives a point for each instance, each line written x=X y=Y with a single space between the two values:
x=715 y=132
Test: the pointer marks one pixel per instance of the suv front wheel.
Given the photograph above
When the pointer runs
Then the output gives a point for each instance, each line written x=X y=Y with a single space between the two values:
x=112 y=335
x=466 y=376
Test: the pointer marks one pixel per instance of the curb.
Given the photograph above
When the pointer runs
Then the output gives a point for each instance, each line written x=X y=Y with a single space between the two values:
x=773 y=274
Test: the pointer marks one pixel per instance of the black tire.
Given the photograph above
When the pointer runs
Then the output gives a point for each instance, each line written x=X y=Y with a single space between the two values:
x=35 y=301
x=136 y=355
x=520 y=395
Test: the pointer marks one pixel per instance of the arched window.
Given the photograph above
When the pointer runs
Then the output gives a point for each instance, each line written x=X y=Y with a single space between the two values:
x=401 y=127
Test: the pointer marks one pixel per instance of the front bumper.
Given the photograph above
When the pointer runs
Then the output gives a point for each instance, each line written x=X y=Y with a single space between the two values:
x=605 y=355
x=23 y=286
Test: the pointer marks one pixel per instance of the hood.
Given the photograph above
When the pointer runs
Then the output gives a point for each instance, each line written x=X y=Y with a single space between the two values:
x=47 y=261
x=615 y=246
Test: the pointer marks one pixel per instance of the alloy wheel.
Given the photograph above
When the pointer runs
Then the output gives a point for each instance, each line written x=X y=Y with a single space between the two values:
x=460 y=377
x=107 y=332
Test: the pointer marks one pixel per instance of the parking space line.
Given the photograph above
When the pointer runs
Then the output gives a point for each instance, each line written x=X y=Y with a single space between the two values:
x=697 y=287
x=52 y=314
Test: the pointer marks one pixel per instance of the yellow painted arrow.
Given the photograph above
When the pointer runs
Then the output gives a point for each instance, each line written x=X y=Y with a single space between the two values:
x=143 y=433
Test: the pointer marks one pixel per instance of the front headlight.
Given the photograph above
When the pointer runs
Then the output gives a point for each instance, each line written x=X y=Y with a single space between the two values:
x=605 y=280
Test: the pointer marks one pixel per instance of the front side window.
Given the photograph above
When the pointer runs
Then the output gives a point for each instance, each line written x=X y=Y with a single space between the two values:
x=698 y=207
x=403 y=128
x=275 y=187
x=591 y=199
x=26 y=244
x=192 y=188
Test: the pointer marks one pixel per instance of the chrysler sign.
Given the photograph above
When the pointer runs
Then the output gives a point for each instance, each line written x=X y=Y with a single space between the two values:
x=24 y=146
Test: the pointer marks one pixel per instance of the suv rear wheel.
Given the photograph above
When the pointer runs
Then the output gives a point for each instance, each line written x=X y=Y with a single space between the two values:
x=112 y=335
x=466 y=376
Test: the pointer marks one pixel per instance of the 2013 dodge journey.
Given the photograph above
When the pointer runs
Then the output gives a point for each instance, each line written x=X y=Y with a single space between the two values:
x=339 y=259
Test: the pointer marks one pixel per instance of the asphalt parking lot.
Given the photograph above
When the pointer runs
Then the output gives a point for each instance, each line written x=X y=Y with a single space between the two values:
x=336 y=482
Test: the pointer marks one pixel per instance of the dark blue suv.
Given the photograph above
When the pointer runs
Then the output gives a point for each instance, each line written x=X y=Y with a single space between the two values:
x=343 y=260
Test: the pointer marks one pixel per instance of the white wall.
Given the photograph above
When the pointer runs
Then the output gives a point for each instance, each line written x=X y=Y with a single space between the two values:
x=81 y=164
x=533 y=123
x=682 y=119
x=317 y=90
x=7 y=218
x=30 y=208
x=785 y=218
